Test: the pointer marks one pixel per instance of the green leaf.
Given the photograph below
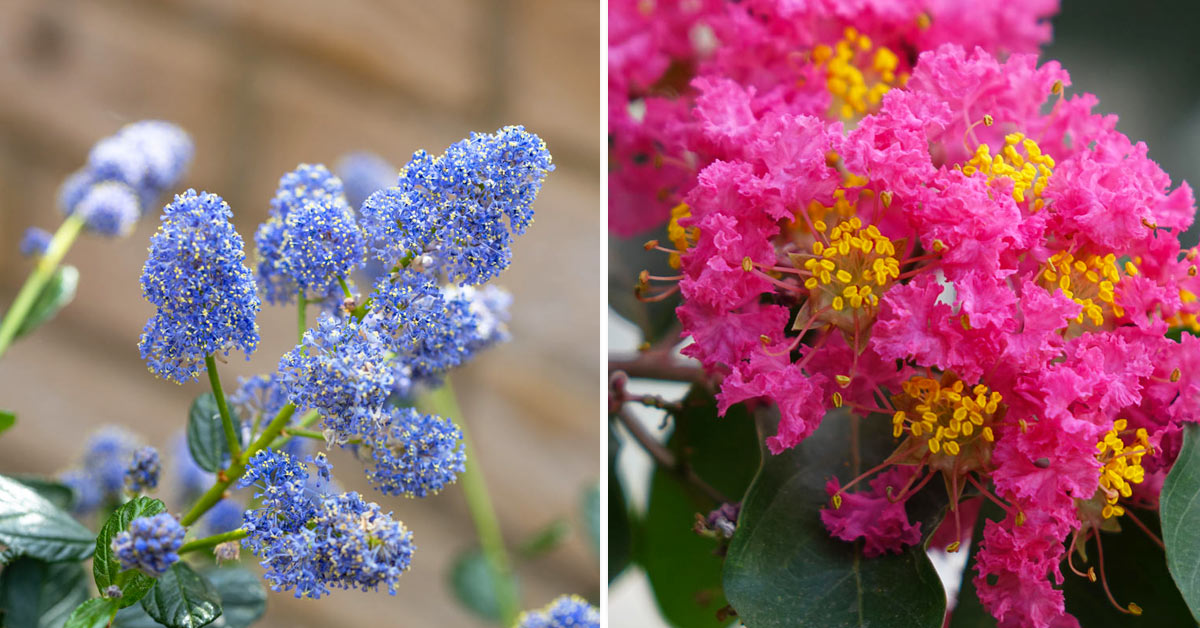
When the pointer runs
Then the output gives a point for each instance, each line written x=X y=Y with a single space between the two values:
x=783 y=567
x=683 y=567
x=94 y=613
x=553 y=534
x=206 y=435
x=37 y=594
x=182 y=598
x=620 y=530
x=968 y=611
x=1179 y=504
x=7 y=420
x=627 y=258
x=243 y=601
x=1136 y=570
x=32 y=526
x=105 y=567
x=55 y=492
x=243 y=596
x=474 y=585
x=55 y=295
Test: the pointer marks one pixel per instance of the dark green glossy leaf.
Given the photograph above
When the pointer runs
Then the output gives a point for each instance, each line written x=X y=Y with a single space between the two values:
x=37 y=594
x=783 y=568
x=243 y=596
x=627 y=258
x=94 y=613
x=107 y=571
x=32 y=526
x=551 y=536
x=474 y=585
x=620 y=530
x=684 y=568
x=1136 y=570
x=55 y=492
x=182 y=598
x=1179 y=504
x=7 y=420
x=206 y=435
x=55 y=295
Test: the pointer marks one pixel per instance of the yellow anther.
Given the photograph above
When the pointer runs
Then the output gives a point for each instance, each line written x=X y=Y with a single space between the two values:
x=1120 y=468
x=856 y=77
x=1029 y=173
x=842 y=380
x=837 y=501
x=953 y=547
x=682 y=238
x=747 y=264
x=1135 y=609
x=837 y=399
x=988 y=120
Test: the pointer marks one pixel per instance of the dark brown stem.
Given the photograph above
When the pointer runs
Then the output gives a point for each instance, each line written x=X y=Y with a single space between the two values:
x=657 y=366
x=665 y=458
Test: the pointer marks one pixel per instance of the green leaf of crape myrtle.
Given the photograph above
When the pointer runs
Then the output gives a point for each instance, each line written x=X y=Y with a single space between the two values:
x=105 y=567
x=683 y=567
x=1179 y=504
x=7 y=420
x=37 y=594
x=55 y=295
x=94 y=613
x=31 y=525
x=182 y=598
x=620 y=528
x=1136 y=570
x=783 y=567
x=206 y=435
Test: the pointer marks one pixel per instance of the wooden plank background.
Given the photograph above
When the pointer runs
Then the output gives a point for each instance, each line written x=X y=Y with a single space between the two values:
x=265 y=85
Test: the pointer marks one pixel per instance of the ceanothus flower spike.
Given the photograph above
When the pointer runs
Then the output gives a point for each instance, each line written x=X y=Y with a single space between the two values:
x=150 y=545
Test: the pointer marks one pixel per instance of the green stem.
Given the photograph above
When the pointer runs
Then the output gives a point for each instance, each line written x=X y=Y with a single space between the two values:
x=303 y=315
x=238 y=466
x=487 y=526
x=295 y=431
x=213 y=541
x=345 y=288
x=59 y=245
x=305 y=421
x=226 y=418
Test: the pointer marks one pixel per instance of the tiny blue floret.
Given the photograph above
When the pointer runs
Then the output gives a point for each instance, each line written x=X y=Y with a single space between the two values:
x=143 y=471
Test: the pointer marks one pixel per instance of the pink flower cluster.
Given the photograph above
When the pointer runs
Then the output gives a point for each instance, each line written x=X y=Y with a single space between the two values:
x=887 y=207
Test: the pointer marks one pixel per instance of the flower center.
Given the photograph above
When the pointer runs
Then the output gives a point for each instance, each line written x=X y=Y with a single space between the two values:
x=857 y=73
x=1088 y=280
x=852 y=270
x=1121 y=466
x=1029 y=172
x=682 y=238
x=945 y=414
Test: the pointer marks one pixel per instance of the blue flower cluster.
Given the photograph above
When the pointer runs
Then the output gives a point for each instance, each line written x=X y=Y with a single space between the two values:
x=568 y=611
x=197 y=278
x=125 y=174
x=341 y=369
x=35 y=242
x=151 y=544
x=415 y=454
x=463 y=206
x=100 y=477
x=310 y=542
x=142 y=473
x=310 y=238
x=427 y=332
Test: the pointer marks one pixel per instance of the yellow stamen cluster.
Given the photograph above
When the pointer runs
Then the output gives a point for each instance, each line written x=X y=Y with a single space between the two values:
x=1030 y=173
x=682 y=238
x=947 y=414
x=853 y=268
x=857 y=77
x=1089 y=281
x=1121 y=466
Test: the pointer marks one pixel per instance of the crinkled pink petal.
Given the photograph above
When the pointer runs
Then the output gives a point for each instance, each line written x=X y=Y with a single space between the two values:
x=872 y=516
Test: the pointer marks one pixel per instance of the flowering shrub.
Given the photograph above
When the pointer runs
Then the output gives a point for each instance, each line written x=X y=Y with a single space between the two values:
x=946 y=279
x=395 y=279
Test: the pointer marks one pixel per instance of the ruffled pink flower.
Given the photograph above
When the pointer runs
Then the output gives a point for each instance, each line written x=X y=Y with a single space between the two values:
x=802 y=399
x=1019 y=560
x=725 y=338
x=882 y=524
